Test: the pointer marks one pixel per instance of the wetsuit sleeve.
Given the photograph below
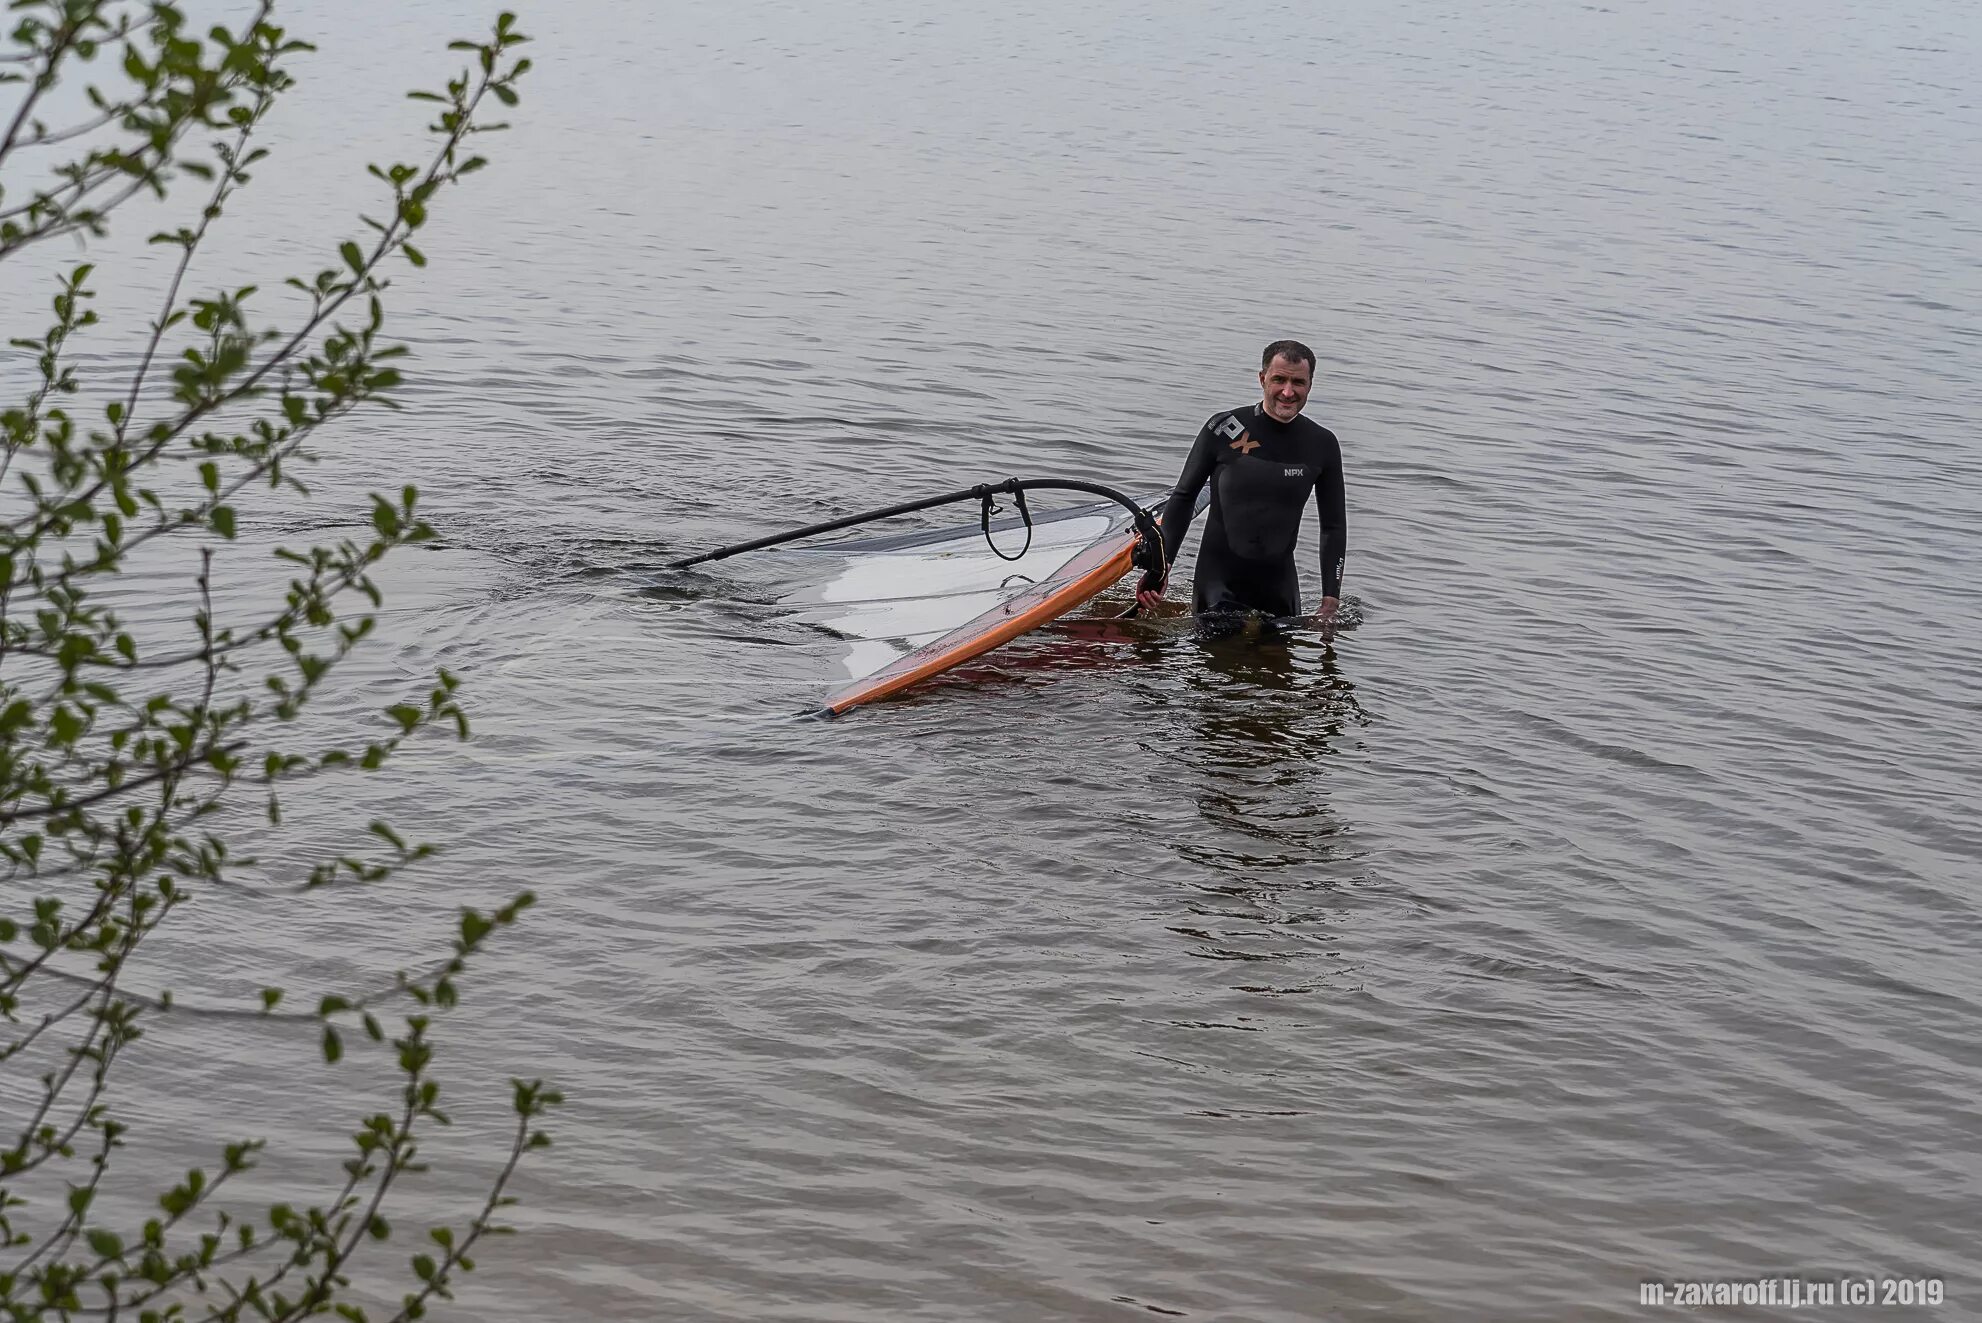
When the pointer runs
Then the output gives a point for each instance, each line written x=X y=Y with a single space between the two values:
x=1182 y=504
x=1332 y=503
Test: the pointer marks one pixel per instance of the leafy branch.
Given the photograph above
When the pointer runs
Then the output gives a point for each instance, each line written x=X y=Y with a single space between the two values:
x=133 y=769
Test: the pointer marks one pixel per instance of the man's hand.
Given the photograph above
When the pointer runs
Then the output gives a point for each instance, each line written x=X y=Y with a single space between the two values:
x=1149 y=593
x=1329 y=606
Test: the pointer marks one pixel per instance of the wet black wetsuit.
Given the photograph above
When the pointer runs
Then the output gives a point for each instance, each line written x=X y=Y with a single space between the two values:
x=1261 y=471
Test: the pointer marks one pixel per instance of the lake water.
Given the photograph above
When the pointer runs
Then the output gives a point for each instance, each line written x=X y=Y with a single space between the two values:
x=1602 y=907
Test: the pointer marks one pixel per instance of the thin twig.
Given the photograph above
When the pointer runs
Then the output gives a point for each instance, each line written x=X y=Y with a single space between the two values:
x=108 y=792
x=56 y=1088
x=329 y=308
x=44 y=79
x=207 y=215
x=51 y=1019
x=65 y=1234
x=476 y=1229
x=108 y=117
x=395 y=1162
x=195 y=516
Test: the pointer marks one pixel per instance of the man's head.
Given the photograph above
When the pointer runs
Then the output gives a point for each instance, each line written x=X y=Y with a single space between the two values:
x=1286 y=373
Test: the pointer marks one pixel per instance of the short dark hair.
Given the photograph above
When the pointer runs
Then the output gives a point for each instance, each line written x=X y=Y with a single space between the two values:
x=1291 y=350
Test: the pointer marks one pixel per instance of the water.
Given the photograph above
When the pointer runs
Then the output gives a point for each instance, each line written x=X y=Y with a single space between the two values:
x=1601 y=908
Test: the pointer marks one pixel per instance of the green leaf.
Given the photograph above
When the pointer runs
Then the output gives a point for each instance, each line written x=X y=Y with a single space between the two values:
x=107 y=1244
x=67 y=725
x=353 y=257
x=223 y=521
x=333 y=1046
x=474 y=927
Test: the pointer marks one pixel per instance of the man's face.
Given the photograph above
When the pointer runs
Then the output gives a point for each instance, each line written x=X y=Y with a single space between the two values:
x=1284 y=387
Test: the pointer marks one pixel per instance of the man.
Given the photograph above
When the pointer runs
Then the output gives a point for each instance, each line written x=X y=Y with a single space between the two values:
x=1261 y=460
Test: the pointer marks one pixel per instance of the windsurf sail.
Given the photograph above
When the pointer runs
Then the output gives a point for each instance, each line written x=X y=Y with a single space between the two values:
x=908 y=607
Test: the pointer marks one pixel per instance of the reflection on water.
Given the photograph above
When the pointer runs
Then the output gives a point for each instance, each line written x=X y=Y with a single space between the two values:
x=1279 y=693
x=1268 y=706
